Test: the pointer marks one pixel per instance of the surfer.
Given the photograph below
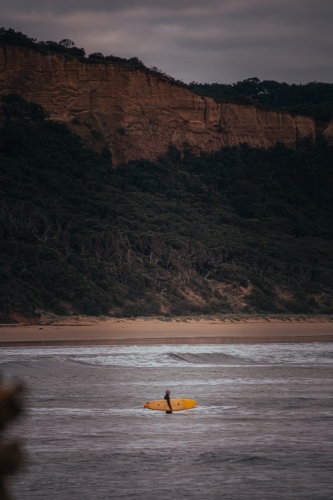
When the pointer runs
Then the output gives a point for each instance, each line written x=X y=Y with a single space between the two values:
x=167 y=398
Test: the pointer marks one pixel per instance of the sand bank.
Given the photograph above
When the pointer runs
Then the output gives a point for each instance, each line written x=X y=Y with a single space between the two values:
x=112 y=331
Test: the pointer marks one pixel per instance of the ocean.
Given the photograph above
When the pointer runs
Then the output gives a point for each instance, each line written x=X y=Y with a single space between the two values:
x=262 y=428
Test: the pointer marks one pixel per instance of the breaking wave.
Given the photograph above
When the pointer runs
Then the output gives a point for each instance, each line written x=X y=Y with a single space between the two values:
x=176 y=355
x=208 y=358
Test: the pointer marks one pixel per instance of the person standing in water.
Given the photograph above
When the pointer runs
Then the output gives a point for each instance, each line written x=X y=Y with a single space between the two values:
x=167 y=398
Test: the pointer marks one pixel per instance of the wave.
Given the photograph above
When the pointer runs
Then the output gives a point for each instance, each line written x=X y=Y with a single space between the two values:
x=166 y=359
x=175 y=356
x=208 y=358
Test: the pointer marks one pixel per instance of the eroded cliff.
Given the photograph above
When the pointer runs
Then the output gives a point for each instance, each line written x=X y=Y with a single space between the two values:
x=136 y=113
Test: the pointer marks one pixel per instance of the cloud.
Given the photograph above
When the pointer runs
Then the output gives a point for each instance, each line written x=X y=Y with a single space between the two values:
x=215 y=40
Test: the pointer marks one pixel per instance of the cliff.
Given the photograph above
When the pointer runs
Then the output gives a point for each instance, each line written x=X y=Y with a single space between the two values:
x=136 y=113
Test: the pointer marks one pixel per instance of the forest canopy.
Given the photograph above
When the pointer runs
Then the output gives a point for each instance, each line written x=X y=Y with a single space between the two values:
x=239 y=230
x=311 y=99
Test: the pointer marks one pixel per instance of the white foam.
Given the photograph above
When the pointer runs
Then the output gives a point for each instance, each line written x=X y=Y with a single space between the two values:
x=180 y=355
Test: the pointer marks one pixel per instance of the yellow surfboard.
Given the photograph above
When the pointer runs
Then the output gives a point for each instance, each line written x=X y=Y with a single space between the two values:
x=177 y=404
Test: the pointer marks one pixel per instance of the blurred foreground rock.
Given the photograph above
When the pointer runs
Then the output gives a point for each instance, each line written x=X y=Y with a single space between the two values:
x=11 y=456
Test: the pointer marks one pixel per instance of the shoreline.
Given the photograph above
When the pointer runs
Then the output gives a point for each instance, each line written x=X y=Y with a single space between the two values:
x=81 y=331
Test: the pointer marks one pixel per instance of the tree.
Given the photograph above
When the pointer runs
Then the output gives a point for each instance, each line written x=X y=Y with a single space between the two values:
x=96 y=55
x=67 y=43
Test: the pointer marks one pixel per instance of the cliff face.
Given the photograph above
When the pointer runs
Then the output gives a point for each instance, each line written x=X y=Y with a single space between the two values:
x=138 y=114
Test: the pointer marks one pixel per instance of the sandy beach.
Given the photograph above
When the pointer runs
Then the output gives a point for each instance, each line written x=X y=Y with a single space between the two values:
x=112 y=331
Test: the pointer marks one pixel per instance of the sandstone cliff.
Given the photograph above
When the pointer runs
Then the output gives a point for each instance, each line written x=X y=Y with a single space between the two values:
x=138 y=114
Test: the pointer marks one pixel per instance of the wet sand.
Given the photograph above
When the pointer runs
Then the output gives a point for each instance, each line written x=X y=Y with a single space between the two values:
x=111 y=331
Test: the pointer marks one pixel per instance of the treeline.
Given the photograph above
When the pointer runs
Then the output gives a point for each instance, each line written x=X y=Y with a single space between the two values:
x=12 y=37
x=312 y=99
x=239 y=230
x=67 y=46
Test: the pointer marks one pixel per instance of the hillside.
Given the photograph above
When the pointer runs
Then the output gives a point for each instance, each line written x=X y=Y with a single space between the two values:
x=238 y=230
x=136 y=112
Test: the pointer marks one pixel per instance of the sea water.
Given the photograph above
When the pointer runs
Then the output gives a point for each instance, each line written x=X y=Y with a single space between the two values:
x=262 y=428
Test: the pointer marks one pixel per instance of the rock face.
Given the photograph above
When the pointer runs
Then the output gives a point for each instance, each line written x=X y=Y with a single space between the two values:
x=137 y=114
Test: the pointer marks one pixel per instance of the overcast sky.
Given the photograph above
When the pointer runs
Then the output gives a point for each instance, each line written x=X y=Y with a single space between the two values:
x=195 y=40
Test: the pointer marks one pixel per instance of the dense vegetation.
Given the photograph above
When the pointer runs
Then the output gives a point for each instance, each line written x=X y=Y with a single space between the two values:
x=247 y=230
x=312 y=99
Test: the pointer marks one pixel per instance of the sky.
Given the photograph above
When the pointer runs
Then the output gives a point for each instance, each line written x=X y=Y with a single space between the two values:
x=222 y=41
